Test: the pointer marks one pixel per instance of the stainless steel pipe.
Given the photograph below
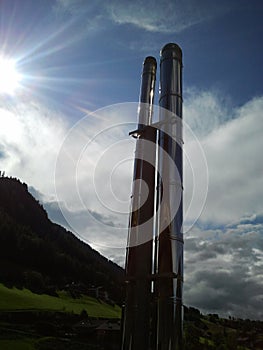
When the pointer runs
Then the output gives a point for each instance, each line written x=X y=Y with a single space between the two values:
x=169 y=283
x=152 y=316
x=136 y=314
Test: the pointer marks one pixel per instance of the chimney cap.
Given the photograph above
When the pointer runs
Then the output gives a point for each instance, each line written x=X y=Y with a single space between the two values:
x=172 y=50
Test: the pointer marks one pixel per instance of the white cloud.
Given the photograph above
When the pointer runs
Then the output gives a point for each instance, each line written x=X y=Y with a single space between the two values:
x=232 y=142
x=205 y=111
x=164 y=17
x=83 y=17
x=223 y=265
x=95 y=165
x=169 y=16
x=30 y=138
x=235 y=165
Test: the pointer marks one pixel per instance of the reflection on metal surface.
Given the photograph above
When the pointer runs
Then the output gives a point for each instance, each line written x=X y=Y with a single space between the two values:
x=136 y=318
x=152 y=316
x=170 y=239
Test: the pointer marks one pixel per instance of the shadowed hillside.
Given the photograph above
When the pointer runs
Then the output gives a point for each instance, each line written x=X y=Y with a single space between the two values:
x=44 y=257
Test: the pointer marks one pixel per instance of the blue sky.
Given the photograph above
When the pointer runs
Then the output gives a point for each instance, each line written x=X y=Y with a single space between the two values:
x=91 y=53
x=76 y=57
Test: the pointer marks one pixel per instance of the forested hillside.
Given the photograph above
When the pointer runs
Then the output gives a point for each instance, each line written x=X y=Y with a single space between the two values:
x=42 y=256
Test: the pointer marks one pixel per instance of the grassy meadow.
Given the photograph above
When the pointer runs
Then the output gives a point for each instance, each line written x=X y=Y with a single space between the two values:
x=16 y=299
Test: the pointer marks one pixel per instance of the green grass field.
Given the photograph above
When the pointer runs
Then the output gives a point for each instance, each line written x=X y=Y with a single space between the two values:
x=15 y=299
x=17 y=344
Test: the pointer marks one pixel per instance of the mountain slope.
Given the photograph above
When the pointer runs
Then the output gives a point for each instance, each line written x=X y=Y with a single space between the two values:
x=40 y=255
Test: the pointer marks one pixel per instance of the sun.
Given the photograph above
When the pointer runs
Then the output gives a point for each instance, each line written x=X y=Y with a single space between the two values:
x=9 y=77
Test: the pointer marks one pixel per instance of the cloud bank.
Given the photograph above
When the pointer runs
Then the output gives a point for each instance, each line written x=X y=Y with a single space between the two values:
x=223 y=252
x=233 y=153
x=223 y=270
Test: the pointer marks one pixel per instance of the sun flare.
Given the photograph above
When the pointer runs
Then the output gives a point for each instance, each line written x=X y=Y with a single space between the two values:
x=9 y=77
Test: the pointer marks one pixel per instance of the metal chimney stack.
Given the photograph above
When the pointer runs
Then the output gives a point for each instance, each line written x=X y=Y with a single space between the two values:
x=169 y=280
x=136 y=316
x=152 y=316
